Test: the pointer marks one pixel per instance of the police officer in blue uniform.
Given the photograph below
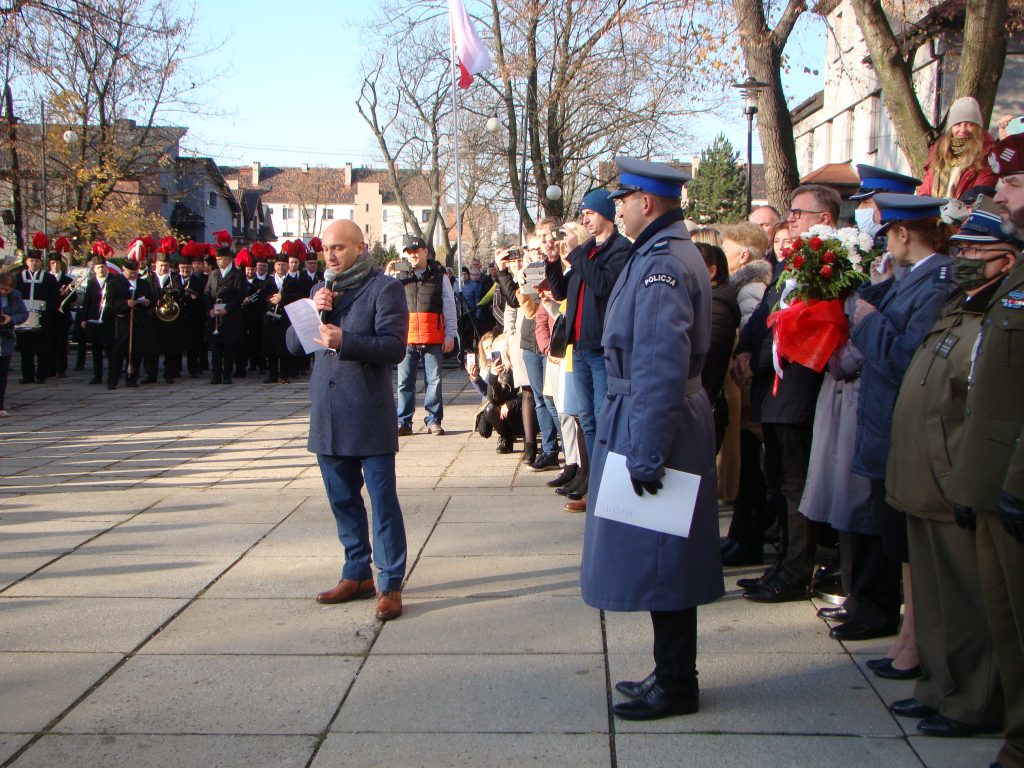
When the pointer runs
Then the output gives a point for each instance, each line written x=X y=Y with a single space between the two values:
x=656 y=334
x=872 y=181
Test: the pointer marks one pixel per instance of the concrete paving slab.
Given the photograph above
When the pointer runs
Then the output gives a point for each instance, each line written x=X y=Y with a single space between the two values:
x=39 y=686
x=556 y=537
x=268 y=627
x=493 y=625
x=471 y=694
x=46 y=536
x=462 y=750
x=152 y=751
x=270 y=695
x=279 y=577
x=145 y=537
x=494 y=576
x=732 y=624
x=798 y=693
x=14 y=567
x=965 y=753
x=81 y=624
x=11 y=743
x=475 y=507
x=120 y=575
x=301 y=537
x=713 y=750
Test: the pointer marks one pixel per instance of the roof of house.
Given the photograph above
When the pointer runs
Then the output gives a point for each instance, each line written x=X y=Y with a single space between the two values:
x=834 y=175
x=313 y=185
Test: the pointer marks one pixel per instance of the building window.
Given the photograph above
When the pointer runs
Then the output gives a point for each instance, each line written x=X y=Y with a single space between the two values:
x=385 y=239
x=425 y=216
x=351 y=214
x=212 y=200
x=367 y=207
x=270 y=211
x=328 y=213
x=287 y=234
x=286 y=214
x=384 y=214
x=309 y=213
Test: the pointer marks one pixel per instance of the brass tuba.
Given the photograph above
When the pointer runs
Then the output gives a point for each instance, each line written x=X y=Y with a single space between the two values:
x=167 y=308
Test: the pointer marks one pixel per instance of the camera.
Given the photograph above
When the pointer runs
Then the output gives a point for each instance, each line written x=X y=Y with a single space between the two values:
x=558 y=234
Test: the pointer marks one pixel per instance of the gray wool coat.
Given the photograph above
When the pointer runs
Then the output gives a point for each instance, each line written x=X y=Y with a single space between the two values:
x=656 y=333
x=353 y=407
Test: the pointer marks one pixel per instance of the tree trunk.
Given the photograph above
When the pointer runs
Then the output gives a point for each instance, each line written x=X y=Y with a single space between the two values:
x=981 y=64
x=762 y=52
x=12 y=134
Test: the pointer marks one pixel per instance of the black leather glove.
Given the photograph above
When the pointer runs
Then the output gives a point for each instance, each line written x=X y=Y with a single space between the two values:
x=651 y=486
x=964 y=517
x=1011 y=515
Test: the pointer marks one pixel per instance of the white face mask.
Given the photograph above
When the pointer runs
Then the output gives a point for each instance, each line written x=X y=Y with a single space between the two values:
x=865 y=218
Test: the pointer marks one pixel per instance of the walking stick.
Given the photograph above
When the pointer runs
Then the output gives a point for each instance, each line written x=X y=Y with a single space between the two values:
x=131 y=334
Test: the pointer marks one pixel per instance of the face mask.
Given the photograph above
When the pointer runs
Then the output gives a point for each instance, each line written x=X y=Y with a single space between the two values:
x=969 y=274
x=865 y=218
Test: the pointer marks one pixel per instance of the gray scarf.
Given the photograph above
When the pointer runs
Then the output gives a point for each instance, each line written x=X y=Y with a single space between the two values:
x=355 y=274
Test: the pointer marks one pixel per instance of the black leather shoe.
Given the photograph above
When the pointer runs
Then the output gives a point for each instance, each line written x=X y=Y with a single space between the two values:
x=937 y=725
x=215 y=380
x=737 y=555
x=656 y=703
x=227 y=379
x=854 y=630
x=578 y=483
x=577 y=495
x=778 y=592
x=878 y=663
x=634 y=689
x=911 y=708
x=545 y=461
x=759 y=582
x=889 y=672
x=504 y=446
x=567 y=474
x=834 y=613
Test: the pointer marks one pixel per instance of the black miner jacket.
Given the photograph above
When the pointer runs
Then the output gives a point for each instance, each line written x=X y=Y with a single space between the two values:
x=597 y=276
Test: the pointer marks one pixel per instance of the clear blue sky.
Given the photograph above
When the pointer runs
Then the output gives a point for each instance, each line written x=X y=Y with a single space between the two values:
x=289 y=80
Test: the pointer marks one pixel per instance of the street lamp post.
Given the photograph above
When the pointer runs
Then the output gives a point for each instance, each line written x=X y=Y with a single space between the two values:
x=749 y=89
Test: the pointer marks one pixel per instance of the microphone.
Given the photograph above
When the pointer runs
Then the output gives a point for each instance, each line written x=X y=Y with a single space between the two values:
x=329 y=277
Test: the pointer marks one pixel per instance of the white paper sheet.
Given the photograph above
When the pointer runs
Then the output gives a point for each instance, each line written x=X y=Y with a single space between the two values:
x=670 y=510
x=306 y=321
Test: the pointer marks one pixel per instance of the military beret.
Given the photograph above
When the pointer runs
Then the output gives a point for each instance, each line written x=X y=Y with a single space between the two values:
x=1007 y=156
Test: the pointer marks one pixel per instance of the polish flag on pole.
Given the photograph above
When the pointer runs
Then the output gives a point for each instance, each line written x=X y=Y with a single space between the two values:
x=472 y=56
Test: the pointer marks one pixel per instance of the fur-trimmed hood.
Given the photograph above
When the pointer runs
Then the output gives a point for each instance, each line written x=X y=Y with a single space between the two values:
x=758 y=271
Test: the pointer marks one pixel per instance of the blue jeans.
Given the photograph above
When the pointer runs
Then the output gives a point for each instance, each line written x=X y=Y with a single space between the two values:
x=343 y=479
x=591 y=378
x=432 y=357
x=547 y=416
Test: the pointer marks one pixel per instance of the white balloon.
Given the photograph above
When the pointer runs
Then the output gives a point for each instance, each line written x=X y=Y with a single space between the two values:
x=70 y=137
x=554 y=192
x=493 y=124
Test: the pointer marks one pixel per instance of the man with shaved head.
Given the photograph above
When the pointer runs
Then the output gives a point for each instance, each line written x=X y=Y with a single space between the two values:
x=353 y=416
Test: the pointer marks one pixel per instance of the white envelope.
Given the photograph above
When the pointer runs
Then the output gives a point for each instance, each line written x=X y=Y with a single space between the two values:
x=670 y=510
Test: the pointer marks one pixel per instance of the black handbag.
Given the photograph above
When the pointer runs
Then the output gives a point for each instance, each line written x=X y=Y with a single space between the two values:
x=559 y=337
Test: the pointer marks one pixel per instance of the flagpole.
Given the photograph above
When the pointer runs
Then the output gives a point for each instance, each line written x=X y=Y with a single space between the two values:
x=455 y=144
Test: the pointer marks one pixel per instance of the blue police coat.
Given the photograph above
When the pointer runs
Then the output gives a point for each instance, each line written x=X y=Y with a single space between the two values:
x=353 y=406
x=657 y=331
x=907 y=310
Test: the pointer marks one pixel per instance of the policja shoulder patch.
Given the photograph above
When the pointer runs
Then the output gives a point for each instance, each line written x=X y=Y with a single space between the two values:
x=662 y=278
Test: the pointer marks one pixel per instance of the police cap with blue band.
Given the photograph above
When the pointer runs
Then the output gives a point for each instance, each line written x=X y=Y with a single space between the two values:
x=644 y=176
x=985 y=225
x=893 y=207
x=874 y=179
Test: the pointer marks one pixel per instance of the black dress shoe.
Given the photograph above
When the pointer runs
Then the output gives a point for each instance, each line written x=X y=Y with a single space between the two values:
x=577 y=495
x=911 y=708
x=227 y=379
x=937 y=725
x=215 y=380
x=567 y=474
x=878 y=663
x=889 y=672
x=656 y=702
x=834 y=613
x=758 y=582
x=779 y=591
x=634 y=689
x=855 y=630
x=578 y=483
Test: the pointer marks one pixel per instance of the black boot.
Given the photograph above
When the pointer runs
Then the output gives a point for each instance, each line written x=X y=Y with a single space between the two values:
x=567 y=475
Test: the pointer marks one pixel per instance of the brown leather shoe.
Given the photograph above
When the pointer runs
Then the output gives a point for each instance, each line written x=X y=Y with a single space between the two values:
x=389 y=605
x=576 y=506
x=347 y=589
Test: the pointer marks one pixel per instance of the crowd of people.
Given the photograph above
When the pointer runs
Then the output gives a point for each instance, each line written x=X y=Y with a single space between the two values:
x=165 y=311
x=634 y=331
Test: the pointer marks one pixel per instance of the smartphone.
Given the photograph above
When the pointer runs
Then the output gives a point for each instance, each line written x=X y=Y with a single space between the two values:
x=494 y=355
x=403 y=266
x=470 y=359
x=558 y=234
x=512 y=254
x=1015 y=126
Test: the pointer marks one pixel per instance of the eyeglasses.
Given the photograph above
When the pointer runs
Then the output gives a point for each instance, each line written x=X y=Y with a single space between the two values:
x=974 y=252
x=796 y=213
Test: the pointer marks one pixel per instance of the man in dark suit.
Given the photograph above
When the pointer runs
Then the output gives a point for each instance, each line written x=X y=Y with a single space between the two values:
x=103 y=294
x=132 y=326
x=225 y=292
x=167 y=333
x=39 y=291
x=353 y=417
x=280 y=290
x=62 y=317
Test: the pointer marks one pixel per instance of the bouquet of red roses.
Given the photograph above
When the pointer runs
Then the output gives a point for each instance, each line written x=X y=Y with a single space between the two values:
x=822 y=265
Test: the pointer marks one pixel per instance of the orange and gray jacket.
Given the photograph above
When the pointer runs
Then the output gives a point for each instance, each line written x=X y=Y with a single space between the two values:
x=425 y=297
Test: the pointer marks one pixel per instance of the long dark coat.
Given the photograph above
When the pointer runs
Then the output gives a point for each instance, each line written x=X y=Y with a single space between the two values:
x=230 y=291
x=888 y=338
x=353 y=406
x=276 y=324
x=657 y=331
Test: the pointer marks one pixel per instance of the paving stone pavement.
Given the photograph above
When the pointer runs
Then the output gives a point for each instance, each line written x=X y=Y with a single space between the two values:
x=159 y=553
